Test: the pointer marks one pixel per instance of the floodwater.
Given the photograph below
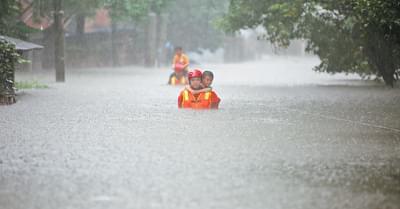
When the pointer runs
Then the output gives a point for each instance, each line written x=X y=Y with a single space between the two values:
x=285 y=137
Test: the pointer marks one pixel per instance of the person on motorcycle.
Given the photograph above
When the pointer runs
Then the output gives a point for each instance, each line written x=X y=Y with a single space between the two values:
x=180 y=60
x=180 y=64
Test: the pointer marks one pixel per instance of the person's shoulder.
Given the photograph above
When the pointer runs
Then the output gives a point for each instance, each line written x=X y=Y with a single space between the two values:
x=184 y=90
x=214 y=94
x=181 y=94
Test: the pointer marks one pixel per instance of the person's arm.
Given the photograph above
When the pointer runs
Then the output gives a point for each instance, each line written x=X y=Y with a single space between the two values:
x=173 y=62
x=187 y=87
x=187 y=61
x=202 y=90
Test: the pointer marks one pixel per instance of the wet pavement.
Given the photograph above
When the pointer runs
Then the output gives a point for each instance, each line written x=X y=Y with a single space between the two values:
x=285 y=137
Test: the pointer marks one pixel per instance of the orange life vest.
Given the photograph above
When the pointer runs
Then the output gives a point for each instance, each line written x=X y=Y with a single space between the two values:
x=176 y=81
x=200 y=101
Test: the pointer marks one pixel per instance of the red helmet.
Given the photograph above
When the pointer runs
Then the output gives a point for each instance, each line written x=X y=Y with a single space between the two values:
x=179 y=67
x=195 y=73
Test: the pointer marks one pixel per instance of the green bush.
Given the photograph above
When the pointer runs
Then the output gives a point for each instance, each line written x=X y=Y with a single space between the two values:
x=30 y=85
x=8 y=58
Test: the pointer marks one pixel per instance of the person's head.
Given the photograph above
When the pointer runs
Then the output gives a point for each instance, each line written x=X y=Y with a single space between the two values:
x=178 y=50
x=207 y=78
x=195 y=79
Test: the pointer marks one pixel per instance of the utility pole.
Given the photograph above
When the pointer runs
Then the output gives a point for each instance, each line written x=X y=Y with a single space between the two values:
x=59 y=40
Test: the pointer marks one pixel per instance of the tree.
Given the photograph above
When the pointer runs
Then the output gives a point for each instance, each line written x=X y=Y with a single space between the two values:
x=9 y=10
x=44 y=8
x=191 y=23
x=71 y=8
x=10 y=24
x=59 y=40
x=378 y=29
x=360 y=36
x=127 y=11
x=8 y=58
x=134 y=10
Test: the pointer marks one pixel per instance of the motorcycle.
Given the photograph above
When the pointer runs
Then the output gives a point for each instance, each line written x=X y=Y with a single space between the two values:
x=179 y=76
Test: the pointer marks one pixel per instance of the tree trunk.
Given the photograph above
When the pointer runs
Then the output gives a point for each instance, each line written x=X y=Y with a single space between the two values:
x=151 y=41
x=383 y=60
x=7 y=100
x=80 y=24
x=162 y=24
x=389 y=79
x=59 y=40
x=381 y=53
x=114 y=47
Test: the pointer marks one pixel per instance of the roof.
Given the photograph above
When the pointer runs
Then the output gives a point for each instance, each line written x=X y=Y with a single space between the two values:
x=20 y=44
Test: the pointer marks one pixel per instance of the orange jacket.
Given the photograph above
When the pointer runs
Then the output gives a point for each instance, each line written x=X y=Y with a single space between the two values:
x=183 y=59
x=215 y=100
x=200 y=101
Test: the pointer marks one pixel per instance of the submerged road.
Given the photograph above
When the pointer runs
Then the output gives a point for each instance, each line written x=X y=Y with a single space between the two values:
x=285 y=137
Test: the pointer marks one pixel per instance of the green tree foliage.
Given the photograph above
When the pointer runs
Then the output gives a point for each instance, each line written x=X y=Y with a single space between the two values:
x=9 y=10
x=191 y=23
x=134 y=10
x=71 y=8
x=127 y=10
x=10 y=24
x=44 y=8
x=8 y=58
x=352 y=36
x=120 y=10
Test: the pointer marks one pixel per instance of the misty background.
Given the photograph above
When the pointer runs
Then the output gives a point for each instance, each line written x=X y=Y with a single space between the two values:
x=93 y=38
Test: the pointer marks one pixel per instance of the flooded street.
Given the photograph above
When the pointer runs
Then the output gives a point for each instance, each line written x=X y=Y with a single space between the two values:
x=285 y=137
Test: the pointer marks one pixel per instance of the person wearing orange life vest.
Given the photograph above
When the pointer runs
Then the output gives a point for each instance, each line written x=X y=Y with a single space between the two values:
x=180 y=65
x=187 y=99
x=181 y=60
x=207 y=79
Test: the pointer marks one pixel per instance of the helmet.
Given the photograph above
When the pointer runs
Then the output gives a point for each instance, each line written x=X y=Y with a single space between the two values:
x=195 y=73
x=179 y=67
